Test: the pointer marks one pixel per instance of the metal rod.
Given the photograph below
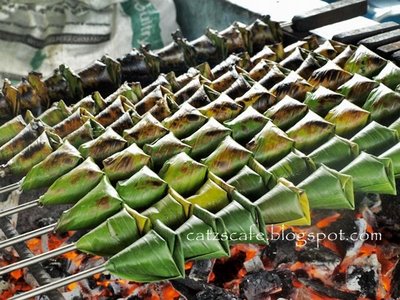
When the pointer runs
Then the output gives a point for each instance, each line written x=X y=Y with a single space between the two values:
x=18 y=208
x=59 y=283
x=26 y=236
x=36 y=259
x=10 y=187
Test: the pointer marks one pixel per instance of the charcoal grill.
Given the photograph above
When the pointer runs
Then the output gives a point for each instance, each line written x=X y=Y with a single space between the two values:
x=384 y=38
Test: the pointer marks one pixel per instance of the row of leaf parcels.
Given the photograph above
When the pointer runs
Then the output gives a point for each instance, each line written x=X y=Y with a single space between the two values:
x=140 y=65
x=178 y=177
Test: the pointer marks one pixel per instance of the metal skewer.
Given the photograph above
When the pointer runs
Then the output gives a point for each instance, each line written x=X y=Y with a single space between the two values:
x=18 y=208
x=26 y=236
x=60 y=283
x=36 y=259
x=9 y=188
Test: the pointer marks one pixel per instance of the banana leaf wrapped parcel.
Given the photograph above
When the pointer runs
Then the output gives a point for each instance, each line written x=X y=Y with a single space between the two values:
x=365 y=62
x=357 y=89
x=389 y=75
x=322 y=100
x=11 y=128
x=90 y=130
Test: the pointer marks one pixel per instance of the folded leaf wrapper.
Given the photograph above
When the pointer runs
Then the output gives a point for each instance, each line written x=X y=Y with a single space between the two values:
x=142 y=189
x=248 y=183
x=55 y=114
x=247 y=124
x=348 y=118
x=258 y=97
x=335 y=153
x=201 y=236
x=72 y=186
x=165 y=148
x=72 y=122
x=389 y=75
x=33 y=154
x=90 y=130
x=293 y=85
x=322 y=100
x=329 y=189
x=375 y=138
x=357 y=89
x=125 y=163
x=11 y=128
x=183 y=174
x=394 y=154
x=330 y=76
x=221 y=109
x=100 y=203
x=112 y=112
x=311 y=132
x=113 y=235
x=185 y=121
x=363 y=166
x=286 y=112
x=207 y=138
x=365 y=62
x=156 y=256
x=286 y=204
x=56 y=164
x=384 y=104
x=145 y=131
x=104 y=146
x=126 y=121
x=228 y=158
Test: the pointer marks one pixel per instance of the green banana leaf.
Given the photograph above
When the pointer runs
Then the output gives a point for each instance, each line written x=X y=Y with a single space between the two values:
x=267 y=177
x=343 y=57
x=221 y=109
x=243 y=221
x=210 y=196
x=200 y=236
x=11 y=128
x=33 y=154
x=19 y=142
x=207 y=138
x=394 y=154
x=55 y=114
x=382 y=181
x=125 y=163
x=389 y=75
x=275 y=75
x=375 y=138
x=100 y=203
x=113 y=235
x=104 y=146
x=132 y=91
x=114 y=111
x=172 y=210
x=86 y=103
x=286 y=112
x=165 y=148
x=396 y=126
x=384 y=104
x=270 y=144
x=56 y=164
x=142 y=189
x=183 y=174
x=258 y=97
x=126 y=121
x=249 y=183
x=151 y=99
x=335 y=153
x=330 y=76
x=348 y=118
x=322 y=100
x=365 y=62
x=357 y=89
x=261 y=65
x=90 y=130
x=72 y=122
x=72 y=186
x=294 y=167
x=156 y=256
x=328 y=189
x=224 y=81
x=147 y=130
x=293 y=85
x=164 y=108
x=203 y=96
x=285 y=204
x=247 y=124
x=185 y=121
x=311 y=132
x=227 y=159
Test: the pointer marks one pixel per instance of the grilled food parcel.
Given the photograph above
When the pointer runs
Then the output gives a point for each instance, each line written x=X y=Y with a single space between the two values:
x=225 y=154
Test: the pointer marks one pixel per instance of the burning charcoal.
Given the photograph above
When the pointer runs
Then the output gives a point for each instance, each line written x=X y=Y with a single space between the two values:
x=389 y=217
x=215 y=293
x=260 y=284
x=286 y=278
x=45 y=221
x=395 y=282
x=56 y=268
x=320 y=288
x=201 y=269
x=281 y=250
x=363 y=276
x=319 y=255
